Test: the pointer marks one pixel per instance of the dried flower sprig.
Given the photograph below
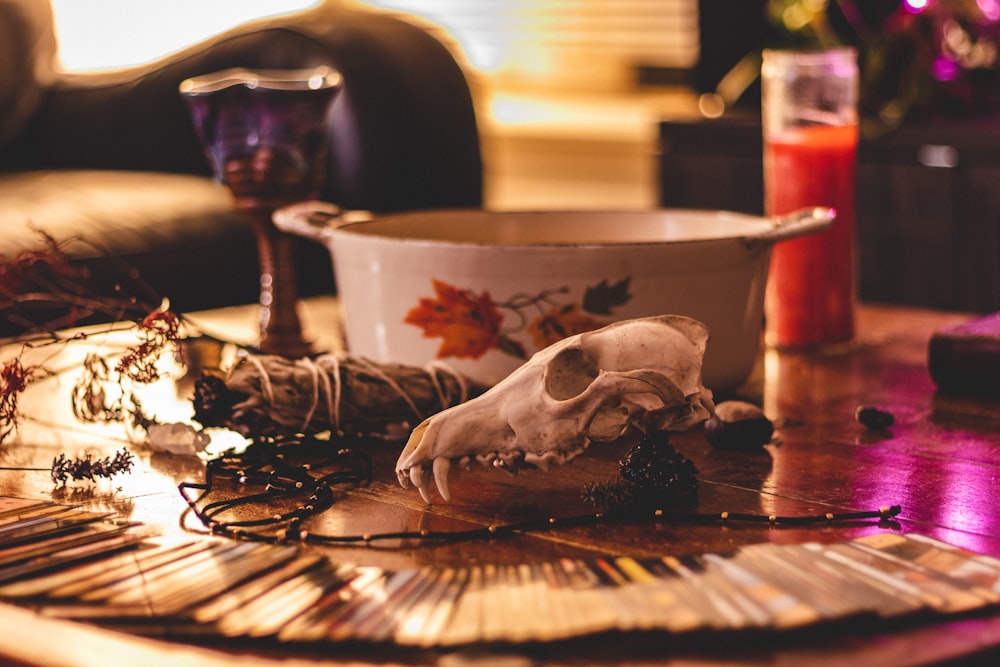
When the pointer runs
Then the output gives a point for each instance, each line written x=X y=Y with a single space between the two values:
x=138 y=364
x=41 y=293
x=14 y=379
x=156 y=331
x=32 y=269
x=89 y=398
x=88 y=468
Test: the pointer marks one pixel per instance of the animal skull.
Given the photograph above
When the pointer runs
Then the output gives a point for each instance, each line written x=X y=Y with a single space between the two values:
x=597 y=386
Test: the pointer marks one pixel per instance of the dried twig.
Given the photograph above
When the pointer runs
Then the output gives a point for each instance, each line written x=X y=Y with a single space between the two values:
x=41 y=293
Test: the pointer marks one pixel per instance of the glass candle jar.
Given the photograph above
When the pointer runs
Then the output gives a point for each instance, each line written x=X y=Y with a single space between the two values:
x=810 y=125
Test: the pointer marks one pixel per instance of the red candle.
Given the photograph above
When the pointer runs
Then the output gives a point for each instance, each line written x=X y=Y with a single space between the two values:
x=810 y=291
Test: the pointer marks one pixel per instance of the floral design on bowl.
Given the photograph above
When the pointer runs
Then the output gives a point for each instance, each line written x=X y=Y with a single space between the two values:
x=471 y=323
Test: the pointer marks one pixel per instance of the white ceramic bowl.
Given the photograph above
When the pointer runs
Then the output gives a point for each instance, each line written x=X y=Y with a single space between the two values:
x=482 y=291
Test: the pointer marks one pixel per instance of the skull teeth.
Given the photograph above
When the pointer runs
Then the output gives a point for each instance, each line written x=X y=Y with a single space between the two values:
x=512 y=459
x=509 y=462
x=419 y=481
x=441 y=466
x=545 y=461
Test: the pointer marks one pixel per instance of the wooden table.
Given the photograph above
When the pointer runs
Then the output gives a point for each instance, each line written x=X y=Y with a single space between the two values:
x=940 y=462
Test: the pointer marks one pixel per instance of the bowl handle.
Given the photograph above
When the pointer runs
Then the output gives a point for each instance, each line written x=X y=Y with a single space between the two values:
x=315 y=220
x=797 y=223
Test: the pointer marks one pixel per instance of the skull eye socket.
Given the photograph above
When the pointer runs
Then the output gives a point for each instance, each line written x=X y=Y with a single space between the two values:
x=569 y=374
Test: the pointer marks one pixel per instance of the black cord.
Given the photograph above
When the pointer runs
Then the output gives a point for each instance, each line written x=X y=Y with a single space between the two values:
x=264 y=464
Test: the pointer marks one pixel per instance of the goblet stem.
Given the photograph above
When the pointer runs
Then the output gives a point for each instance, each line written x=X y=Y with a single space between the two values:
x=280 y=326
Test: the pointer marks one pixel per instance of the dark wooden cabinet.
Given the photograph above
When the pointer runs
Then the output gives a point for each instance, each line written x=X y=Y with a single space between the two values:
x=928 y=202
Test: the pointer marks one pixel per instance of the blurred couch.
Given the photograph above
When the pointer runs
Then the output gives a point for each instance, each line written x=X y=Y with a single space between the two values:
x=111 y=157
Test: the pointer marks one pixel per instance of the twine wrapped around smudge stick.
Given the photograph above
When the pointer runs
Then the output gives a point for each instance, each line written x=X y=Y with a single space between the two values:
x=342 y=394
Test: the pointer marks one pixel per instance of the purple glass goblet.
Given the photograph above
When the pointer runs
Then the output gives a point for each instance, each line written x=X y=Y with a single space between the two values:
x=265 y=135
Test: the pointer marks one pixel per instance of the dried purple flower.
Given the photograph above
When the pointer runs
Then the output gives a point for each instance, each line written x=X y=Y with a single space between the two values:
x=90 y=469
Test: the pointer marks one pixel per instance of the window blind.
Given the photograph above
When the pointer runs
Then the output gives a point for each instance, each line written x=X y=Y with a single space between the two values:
x=579 y=44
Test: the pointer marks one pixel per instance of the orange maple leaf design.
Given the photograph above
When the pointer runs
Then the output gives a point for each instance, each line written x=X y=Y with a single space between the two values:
x=469 y=324
x=560 y=322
